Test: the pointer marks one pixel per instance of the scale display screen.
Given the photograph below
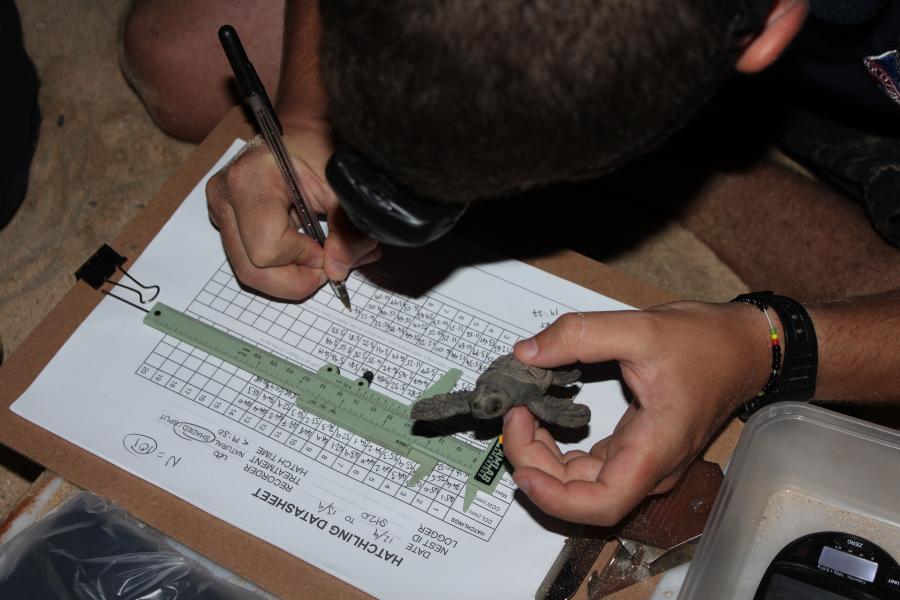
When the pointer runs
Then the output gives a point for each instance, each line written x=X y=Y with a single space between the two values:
x=848 y=564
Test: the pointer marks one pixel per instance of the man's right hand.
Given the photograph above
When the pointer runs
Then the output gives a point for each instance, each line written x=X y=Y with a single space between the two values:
x=689 y=365
x=249 y=200
x=250 y=204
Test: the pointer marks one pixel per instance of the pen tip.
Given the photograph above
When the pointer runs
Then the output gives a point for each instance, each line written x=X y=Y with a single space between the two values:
x=344 y=297
x=340 y=290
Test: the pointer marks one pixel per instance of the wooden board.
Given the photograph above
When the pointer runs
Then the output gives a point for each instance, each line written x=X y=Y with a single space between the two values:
x=252 y=558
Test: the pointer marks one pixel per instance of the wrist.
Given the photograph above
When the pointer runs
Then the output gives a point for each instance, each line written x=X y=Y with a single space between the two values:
x=792 y=375
x=297 y=118
x=756 y=342
x=309 y=140
x=296 y=114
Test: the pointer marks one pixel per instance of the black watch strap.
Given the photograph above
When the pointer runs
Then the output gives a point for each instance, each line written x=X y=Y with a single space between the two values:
x=801 y=357
x=800 y=361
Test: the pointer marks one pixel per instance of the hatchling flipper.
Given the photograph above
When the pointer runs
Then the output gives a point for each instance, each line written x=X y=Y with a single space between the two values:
x=441 y=406
x=566 y=377
x=561 y=411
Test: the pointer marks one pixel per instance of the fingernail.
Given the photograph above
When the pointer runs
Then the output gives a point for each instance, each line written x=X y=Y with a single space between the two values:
x=507 y=417
x=527 y=348
x=340 y=268
x=323 y=279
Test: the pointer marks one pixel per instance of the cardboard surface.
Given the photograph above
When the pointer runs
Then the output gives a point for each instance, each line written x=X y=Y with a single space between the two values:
x=252 y=558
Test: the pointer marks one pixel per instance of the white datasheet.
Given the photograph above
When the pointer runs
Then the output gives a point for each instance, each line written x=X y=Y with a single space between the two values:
x=217 y=437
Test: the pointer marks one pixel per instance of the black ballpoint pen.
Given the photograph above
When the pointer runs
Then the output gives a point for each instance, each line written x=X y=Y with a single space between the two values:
x=255 y=95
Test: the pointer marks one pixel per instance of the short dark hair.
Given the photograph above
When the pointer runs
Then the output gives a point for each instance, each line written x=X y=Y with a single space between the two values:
x=464 y=99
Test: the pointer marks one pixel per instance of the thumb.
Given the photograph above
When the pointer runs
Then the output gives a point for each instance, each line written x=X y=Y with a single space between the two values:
x=586 y=337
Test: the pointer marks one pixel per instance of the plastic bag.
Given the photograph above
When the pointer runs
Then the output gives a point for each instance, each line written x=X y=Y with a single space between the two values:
x=89 y=549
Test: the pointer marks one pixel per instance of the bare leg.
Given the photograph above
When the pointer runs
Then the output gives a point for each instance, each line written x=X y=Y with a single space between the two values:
x=779 y=230
x=170 y=54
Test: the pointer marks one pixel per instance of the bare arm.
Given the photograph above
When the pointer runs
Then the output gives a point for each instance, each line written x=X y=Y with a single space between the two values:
x=301 y=94
x=859 y=348
x=689 y=365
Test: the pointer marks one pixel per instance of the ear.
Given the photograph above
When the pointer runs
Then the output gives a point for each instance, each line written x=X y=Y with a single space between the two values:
x=781 y=28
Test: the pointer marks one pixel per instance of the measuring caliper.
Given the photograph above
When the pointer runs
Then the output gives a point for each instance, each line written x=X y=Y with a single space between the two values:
x=348 y=403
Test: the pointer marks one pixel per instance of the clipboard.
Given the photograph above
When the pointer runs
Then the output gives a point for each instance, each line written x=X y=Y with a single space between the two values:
x=267 y=566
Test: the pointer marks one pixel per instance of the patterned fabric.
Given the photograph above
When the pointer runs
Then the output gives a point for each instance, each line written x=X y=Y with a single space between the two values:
x=840 y=84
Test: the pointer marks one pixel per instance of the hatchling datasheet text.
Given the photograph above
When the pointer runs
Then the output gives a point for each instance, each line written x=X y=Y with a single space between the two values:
x=241 y=448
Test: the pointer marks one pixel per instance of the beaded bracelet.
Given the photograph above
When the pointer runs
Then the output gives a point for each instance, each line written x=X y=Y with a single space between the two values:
x=771 y=387
x=793 y=376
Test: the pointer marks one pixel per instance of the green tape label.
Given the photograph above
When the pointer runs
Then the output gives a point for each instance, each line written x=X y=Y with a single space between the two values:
x=492 y=466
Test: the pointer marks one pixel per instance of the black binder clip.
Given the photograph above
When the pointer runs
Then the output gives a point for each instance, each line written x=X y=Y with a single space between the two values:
x=98 y=269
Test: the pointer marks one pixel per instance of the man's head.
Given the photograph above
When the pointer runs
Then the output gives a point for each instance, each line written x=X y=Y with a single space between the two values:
x=465 y=99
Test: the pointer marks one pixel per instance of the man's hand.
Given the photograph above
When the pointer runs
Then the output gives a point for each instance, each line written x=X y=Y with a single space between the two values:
x=249 y=200
x=689 y=366
x=250 y=204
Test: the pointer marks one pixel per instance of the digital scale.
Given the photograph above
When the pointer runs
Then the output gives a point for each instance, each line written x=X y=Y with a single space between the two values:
x=831 y=566
x=809 y=509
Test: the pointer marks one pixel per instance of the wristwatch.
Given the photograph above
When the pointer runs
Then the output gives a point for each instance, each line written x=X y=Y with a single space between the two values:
x=797 y=380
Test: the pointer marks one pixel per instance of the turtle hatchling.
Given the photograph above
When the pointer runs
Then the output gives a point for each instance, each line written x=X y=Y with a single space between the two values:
x=504 y=384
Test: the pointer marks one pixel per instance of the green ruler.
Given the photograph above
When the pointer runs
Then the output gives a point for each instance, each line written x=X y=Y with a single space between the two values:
x=348 y=403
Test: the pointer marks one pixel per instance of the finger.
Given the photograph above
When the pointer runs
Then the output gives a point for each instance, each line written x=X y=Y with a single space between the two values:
x=572 y=455
x=291 y=282
x=582 y=467
x=255 y=191
x=586 y=337
x=601 y=502
x=600 y=449
x=668 y=482
x=621 y=471
x=518 y=432
x=369 y=258
x=543 y=436
x=577 y=501
x=523 y=450
x=346 y=245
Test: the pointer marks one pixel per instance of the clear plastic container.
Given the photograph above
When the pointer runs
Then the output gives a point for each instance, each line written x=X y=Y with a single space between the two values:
x=797 y=469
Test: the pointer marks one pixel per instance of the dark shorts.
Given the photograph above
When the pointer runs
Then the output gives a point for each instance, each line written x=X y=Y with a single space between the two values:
x=863 y=165
x=838 y=122
x=19 y=114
